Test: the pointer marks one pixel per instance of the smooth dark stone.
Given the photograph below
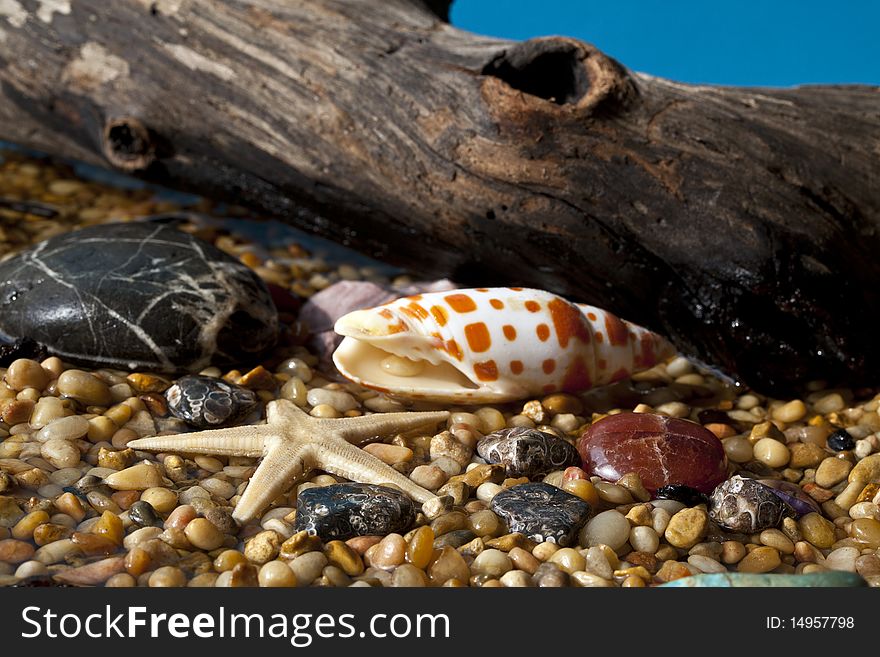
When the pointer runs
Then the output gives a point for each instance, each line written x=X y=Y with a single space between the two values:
x=221 y=518
x=713 y=416
x=205 y=402
x=136 y=295
x=747 y=506
x=143 y=514
x=684 y=494
x=527 y=452
x=542 y=512
x=343 y=511
x=662 y=450
x=455 y=539
x=836 y=578
x=841 y=441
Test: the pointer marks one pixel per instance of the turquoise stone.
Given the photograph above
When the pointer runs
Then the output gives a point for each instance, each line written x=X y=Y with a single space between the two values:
x=835 y=578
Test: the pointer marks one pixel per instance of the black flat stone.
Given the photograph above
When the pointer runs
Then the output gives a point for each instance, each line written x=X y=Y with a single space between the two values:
x=542 y=512
x=343 y=511
x=136 y=295
x=527 y=452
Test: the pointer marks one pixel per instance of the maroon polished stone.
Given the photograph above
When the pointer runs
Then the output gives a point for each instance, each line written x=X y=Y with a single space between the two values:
x=662 y=450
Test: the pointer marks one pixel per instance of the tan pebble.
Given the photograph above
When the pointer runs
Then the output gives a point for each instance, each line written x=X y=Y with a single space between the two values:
x=706 y=564
x=420 y=548
x=167 y=577
x=633 y=483
x=147 y=382
x=227 y=560
x=120 y=581
x=672 y=570
x=17 y=411
x=448 y=565
x=110 y=526
x=805 y=455
x=687 y=527
x=24 y=528
x=732 y=552
x=137 y=477
x=864 y=510
x=390 y=552
x=26 y=373
x=93 y=544
x=276 y=574
x=430 y=477
x=832 y=471
x=389 y=454
x=613 y=493
x=793 y=411
x=771 y=452
x=137 y=561
x=866 y=531
x=14 y=551
x=343 y=557
x=776 y=539
x=299 y=544
x=452 y=521
x=70 y=504
x=162 y=500
x=817 y=530
x=84 y=387
x=721 y=431
x=738 y=449
x=308 y=567
x=49 y=533
x=640 y=515
x=568 y=560
x=181 y=516
x=485 y=524
x=93 y=573
x=760 y=560
x=523 y=560
x=866 y=471
x=543 y=551
x=361 y=544
x=60 y=453
x=644 y=539
x=203 y=534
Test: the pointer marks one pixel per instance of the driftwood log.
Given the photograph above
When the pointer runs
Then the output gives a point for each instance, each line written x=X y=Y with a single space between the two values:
x=740 y=222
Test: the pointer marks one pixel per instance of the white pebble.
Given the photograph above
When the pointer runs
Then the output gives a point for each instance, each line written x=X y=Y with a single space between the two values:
x=679 y=366
x=644 y=539
x=706 y=564
x=218 y=487
x=278 y=526
x=486 y=491
x=660 y=518
x=341 y=401
x=863 y=448
x=65 y=428
x=843 y=559
x=192 y=493
x=610 y=528
x=670 y=506
x=65 y=476
x=278 y=512
x=60 y=453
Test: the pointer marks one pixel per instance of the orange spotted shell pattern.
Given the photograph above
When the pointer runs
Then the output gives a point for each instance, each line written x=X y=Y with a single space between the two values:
x=488 y=345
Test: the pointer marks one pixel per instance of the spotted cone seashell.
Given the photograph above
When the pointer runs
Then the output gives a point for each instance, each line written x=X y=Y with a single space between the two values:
x=489 y=345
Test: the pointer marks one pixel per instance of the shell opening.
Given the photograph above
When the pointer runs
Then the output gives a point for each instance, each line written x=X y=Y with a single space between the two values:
x=373 y=367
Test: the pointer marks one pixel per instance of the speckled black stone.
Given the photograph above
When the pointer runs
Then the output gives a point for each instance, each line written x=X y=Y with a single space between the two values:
x=343 y=511
x=681 y=493
x=841 y=440
x=542 y=512
x=142 y=514
x=206 y=402
x=527 y=452
x=137 y=295
x=747 y=506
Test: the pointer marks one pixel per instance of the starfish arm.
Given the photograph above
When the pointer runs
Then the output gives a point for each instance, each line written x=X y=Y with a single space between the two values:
x=285 y=462
x=232 y=441
x=378 y=425
x=341 y=458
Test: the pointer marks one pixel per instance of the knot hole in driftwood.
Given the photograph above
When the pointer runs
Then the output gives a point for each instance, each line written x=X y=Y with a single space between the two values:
x=563 y=71
x=127 y=144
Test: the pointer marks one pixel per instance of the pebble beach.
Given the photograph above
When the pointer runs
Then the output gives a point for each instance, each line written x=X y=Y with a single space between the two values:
x=79 y=507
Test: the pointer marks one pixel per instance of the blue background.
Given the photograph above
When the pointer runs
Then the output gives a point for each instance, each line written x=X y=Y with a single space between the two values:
x=770 y=43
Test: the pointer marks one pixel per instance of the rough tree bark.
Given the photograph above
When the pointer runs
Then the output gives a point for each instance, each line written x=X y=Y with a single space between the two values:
x=740 y=222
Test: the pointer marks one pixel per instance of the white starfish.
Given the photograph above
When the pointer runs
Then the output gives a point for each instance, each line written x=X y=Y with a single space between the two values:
x=292 y=443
